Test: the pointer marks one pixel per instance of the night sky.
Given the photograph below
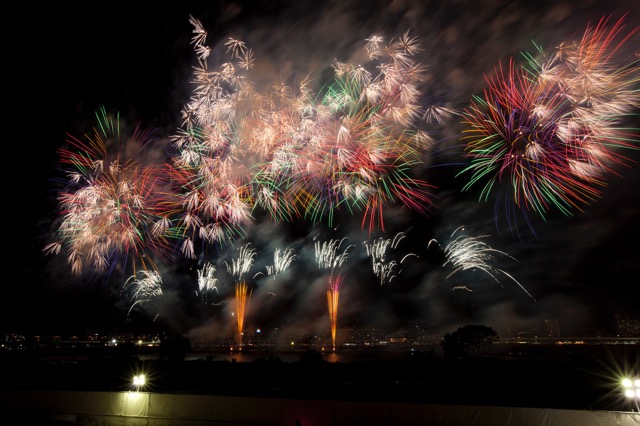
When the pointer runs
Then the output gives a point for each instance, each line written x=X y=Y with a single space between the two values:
x=66 y=63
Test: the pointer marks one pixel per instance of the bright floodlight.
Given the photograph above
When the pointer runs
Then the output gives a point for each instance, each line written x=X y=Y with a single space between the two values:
x=631 y=387
x=138 y=380
x=632 y=390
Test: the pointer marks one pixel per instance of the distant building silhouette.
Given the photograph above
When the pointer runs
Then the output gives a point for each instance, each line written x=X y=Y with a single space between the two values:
x=552 y=327
x=627 y=327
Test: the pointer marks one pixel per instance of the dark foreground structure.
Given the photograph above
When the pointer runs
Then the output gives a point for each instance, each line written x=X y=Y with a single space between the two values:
x=62 y=408
x=579 y=387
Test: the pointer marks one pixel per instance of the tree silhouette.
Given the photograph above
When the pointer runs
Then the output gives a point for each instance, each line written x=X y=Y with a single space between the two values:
x=469 y=341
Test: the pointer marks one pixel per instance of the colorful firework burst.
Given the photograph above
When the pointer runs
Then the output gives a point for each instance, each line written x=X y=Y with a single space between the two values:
x=546 y=135
x=112 y=208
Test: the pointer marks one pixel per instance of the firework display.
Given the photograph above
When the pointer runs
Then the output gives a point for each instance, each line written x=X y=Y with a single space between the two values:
x=238 y=268
x=112 y=205
x=471 y=253
x=380 y=252
x=148 y=287
x=330 y=256
x=547 y=134
x=294 y=153
x=282 y=259
x=543 y=135
x=255 y=165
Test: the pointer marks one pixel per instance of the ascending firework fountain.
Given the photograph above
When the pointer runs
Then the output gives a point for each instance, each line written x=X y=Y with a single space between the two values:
x=332 y=299
x=328 y=258
x=281 y=261
x=149 y=288
x=238 y=268
x=380 y=251
x=466 y=253
x=207 y=282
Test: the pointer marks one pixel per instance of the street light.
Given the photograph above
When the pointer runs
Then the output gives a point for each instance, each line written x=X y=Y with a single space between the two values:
x=138 y=381
x=631 y=388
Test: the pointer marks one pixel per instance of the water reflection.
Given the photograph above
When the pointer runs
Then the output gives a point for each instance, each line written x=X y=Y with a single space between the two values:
x=296 y=355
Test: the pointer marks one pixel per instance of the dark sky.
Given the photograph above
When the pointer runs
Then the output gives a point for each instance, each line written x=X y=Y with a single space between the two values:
x=65 y=63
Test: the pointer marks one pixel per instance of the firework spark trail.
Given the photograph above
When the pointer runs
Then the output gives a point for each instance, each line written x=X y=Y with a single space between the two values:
x=149 y=287
x=206 y=279
x=511 y=144
x=293 y=153
x=207 y=282
x=241 y=265
x=547 y=134
x=210 y=207
x=361 y=145
x=238 y=268
x=282 y=259
x=601 y=87
x=327 y=257
x=112 y=207
x=379 y=250
x=214 y=195
x=465 y=253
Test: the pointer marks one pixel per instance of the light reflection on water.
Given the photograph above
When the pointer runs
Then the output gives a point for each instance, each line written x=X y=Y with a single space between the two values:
x=292 y=356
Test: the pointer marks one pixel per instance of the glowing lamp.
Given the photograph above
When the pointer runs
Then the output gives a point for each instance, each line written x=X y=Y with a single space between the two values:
x=138 y=380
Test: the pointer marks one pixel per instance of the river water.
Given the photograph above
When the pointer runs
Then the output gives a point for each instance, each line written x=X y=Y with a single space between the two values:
x=338 y=356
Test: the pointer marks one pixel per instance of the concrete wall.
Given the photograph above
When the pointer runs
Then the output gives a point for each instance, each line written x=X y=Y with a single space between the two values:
x=149 y=409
